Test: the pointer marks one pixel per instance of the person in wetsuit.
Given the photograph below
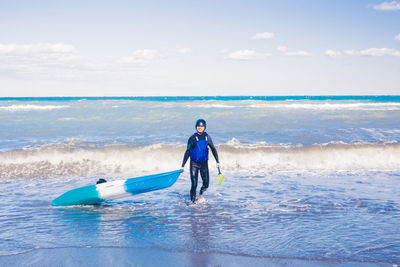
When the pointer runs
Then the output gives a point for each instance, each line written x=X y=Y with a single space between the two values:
x=197 y=150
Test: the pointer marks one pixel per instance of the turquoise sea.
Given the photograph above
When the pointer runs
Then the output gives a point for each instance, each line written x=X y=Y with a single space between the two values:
x=310 y=181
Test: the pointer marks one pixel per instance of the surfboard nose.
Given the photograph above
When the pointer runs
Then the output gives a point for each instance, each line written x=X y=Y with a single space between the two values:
x=87 y=195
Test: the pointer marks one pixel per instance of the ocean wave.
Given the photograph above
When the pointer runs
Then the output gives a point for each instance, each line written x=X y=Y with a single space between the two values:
x=14 y=108
x=214 y=105
x=388 y=106
x=331 y=106
x=120 y=160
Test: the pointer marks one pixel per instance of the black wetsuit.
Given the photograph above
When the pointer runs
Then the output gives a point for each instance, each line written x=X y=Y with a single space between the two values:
x=196 y=166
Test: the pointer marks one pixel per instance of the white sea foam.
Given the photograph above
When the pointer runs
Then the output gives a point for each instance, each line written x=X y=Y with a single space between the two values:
x=330 y=106
x=123 y=161
x=215 y=105
x=14 y=108
x=315 y=105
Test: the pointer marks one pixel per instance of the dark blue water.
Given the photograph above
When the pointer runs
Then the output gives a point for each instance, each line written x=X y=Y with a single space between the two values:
x=371 y=98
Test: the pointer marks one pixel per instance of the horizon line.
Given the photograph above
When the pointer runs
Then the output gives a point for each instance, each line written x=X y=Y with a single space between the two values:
x=379 y=98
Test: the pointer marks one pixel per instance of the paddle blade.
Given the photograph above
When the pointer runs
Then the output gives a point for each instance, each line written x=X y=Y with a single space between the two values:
x=221 y=178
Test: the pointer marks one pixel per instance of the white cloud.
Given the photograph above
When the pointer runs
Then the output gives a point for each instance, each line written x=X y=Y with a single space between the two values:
x=51 y=61
x=299 y=53
x=145 y=54
x=285 y=52
x=375 y=52
x=388 y=6
x=282 y=49
x=142 y=56
x=40 y=54
x=332 y=53
x=246 y=55
x=183 y=50
x=397 y=37
x=35 y=58
x=58 y=61
x=41 y=48
x=264 y=36
x=243 y=55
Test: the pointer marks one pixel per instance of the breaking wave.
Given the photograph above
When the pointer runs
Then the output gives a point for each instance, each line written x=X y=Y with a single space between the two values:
x=121 y=160
x=388 y=106
x=332 y=106
x=14 y=108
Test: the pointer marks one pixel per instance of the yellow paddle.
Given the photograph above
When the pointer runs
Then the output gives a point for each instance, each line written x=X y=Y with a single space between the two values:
x=221 y=177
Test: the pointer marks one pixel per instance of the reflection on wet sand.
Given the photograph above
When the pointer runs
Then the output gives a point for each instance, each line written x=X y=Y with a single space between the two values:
x=200 y=236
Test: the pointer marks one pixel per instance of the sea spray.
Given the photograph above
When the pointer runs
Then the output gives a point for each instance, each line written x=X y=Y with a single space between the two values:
x=60 y=160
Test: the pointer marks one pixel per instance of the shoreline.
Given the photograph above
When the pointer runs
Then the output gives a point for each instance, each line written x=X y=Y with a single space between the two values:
x=157 y=256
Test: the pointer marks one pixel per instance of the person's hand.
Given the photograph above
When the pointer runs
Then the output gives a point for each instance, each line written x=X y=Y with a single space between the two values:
x=183 y=169
x=218 y=165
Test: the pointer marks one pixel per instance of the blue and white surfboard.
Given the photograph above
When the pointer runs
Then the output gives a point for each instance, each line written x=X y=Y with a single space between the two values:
x=95 y=194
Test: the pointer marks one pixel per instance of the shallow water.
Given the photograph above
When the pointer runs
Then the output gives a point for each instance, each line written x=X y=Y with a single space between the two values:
x=340 y=217
x=309 y=184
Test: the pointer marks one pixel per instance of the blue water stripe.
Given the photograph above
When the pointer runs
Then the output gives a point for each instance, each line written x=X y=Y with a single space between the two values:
x=368 y=98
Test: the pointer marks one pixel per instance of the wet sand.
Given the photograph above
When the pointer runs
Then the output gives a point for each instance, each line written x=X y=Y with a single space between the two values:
x=153 y=256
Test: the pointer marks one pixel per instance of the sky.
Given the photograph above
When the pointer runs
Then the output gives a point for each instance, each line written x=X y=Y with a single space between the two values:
x=163 y=48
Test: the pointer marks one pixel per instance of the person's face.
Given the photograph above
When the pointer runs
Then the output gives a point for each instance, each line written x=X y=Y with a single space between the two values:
x=200 y=129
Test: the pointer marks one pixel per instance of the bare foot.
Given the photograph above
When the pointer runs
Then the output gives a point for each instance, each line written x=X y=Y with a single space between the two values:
x=201 y=199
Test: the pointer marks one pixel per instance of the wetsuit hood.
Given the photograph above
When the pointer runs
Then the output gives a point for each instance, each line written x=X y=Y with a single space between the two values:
x=201 y=122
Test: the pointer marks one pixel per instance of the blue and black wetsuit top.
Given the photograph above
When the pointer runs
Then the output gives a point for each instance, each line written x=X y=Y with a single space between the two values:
x=197 y=148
